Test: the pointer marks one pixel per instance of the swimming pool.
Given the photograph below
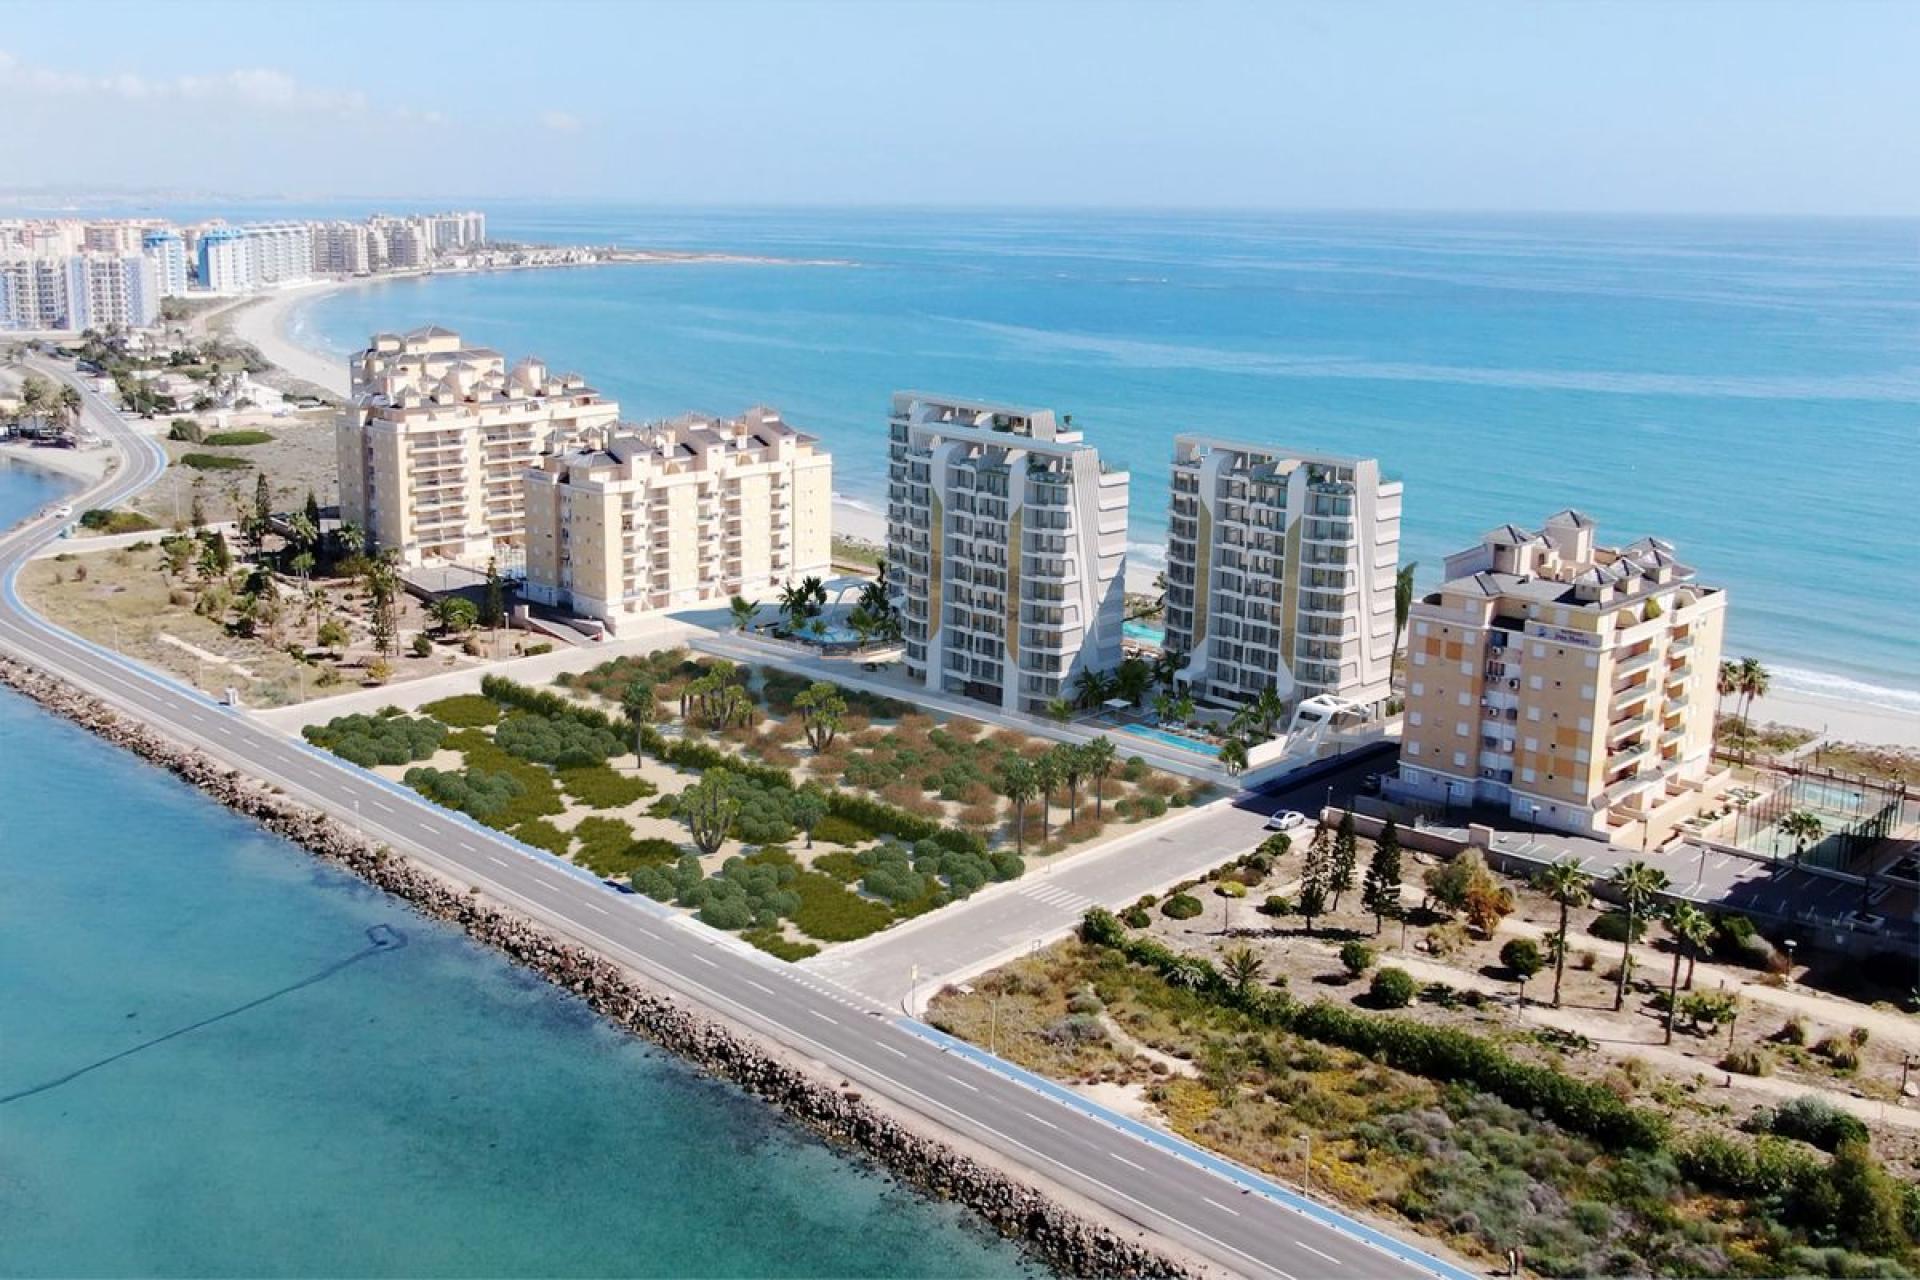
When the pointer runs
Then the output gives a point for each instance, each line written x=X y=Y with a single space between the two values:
x=1143 y=633
x=1168 y=739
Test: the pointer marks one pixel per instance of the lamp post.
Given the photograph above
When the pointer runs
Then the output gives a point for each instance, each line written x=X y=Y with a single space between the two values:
x=1306 y=1170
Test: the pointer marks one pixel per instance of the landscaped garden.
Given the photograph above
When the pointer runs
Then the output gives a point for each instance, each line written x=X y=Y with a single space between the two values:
x=796 y=813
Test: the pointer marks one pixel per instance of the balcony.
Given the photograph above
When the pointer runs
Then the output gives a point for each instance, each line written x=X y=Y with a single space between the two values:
x=1627 y=724
x=1636 y=662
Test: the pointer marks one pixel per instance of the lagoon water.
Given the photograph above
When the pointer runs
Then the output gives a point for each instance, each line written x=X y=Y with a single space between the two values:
x=1748 y=389
x=424 y=1110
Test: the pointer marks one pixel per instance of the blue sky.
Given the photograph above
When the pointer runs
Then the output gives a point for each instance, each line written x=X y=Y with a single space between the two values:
x=1714 y=107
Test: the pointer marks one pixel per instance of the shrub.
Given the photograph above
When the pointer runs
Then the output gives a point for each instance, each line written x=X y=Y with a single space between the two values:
x=234 y=439
x=473 y=792
x=214 y=462
x=1230 y=889
x=1181 y=906
x=1792 y=1031
x=186 y=430
x=1841 y=1053
x=1611 y=926
x=775 y=944
x=422 y=647
x=371 y=740
x=535 y=650
x=104 y=520
x=598 y=787
x=542 y=834
x=562 y=741
x=1751 y=1061
x=1810 y=1119
x=464 y=711
x=1392 y=988
x=829 y=912
x=1356 y=957
x=1522 y=957
x=835 y=829
x=1275 y=905
x=1136 y=918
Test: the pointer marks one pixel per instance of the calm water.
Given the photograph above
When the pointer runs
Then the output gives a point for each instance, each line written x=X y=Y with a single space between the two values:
x=426 y=1110
x=1750 y=390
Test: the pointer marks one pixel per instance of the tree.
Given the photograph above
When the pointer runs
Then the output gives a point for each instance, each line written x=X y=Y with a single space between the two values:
x=1571 y=887
x=215 y=559
x=1402 y=607
x=197 y=507
x=262 y=502
x=708 y=807
x=1046 y=776
x=1522 y=957
x=1637 y=884
x=493 y=603
x=333 y=635
x=1073 y=764
x=1270 y=708
x=1233 y=756
x=1346 y=853
x=1727 y=682
x=1242 y=966
x=808 y=806
x=742 y=611
x=453 y=614
x=1093 y=688
x=1167 y=666
x=1098 y=757
x=1392 y=988
x=1380 y=891
x=1753 y=682
x=68 y=405
x=822 y=712
x=312 y=511
x=1804 y=828
x=1690 y=928
x=1356 y=957
x=1132 y=680
x=1313 y=877
x=1017 y=784
x=382 y=581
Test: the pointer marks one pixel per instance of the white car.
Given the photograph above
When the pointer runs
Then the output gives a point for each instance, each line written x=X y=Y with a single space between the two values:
x=1286 y=820
x=62 y=512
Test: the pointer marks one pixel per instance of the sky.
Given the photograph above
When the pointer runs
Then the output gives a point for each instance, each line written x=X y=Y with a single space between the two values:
x=1724 y=107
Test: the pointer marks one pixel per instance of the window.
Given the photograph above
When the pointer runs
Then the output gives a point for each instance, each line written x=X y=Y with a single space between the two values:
x=1526 y=775
x=1419 y=657
x=1466 y=700
x=1535 y=682
x=1539 y=651
x=1466 y=667
x=1413 y=718
x=1418 y=688
x=1459 y=759
x=1586 y=691
x=1419 y=628
x=1586 y=724
x=1460 y=729
x=1533 y=744
x=1593 y=660
x=1533 y=713
x=1413 y=749
x=1581 y=756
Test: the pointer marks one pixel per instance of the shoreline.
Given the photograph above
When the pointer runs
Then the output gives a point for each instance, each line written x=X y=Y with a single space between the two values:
x=264 y=325
x=1070 y=1238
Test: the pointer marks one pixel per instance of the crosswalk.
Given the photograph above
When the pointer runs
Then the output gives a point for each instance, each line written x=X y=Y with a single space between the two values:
x=1053 y=895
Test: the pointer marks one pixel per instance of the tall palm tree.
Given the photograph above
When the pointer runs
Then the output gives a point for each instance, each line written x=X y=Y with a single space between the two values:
x=741 y=611
x=1571 y=887
x=1093 y=688
x=1637 y=884
x=69 y=405
x=1270 y=707
x=1726 y=684
x=1099 y=755
x=1690 y=928
x=1017 y=784
x=1073 y=767
x=1046 y=776
x=1233 y=756
x=1754 y=681
x=1168 y=665
x=1803 y=827
x=1402 y=607
x=1133 y=679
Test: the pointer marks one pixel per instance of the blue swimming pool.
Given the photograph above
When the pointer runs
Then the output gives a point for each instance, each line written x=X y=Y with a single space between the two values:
x=1168 y=739
x=1143 y=633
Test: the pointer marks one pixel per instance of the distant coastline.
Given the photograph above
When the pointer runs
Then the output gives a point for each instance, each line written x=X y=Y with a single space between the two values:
x=1829 y=705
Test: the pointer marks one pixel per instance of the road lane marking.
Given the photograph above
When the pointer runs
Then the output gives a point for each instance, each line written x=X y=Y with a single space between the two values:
x=1037 y=1120
x=1310 y=1249
x=890 y=1049
x=703 y=960
x=823 y=1017
x=962 y=1083
x=1130 y=1164
x=599 y=910
x=1222 y=1208
x=760 y=987
x=498 y=862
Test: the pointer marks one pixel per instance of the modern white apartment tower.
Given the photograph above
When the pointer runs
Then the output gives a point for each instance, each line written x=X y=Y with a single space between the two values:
x=678 y=513
x=434 y=447
x=169 y=254
x=1007 y=538
x=112 y=291
x=1280 y=571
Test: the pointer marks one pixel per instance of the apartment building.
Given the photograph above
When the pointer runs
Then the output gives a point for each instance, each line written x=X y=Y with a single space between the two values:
x=255 y=256
x=1008 y=540
x=112 y=291
x=447 y=232
x=116 y=237
x=1570 y=684
x=678 y=513
x=1280 y=573
x=33 y=292
x=398 y=244
x=342 y=248
x=433 y=449
x=169 y=253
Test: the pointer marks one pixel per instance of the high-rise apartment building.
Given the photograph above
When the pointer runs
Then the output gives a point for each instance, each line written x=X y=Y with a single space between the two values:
x=678 y=513
x=1007 y=537
x=117 y=237
x=1280 y=572
x=33 y=292
x=447 y=232
x=169 y=254
x=434 y=447
x=402 y=243
x=255 y=256
x=341 y=248
x=112 y=291
x=1570 y=684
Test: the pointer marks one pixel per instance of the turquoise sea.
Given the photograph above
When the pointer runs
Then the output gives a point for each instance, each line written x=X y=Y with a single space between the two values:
x=425 y=1110
x=1749 y=389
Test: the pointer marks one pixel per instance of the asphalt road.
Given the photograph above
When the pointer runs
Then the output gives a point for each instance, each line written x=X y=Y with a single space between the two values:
x=1166 y=1191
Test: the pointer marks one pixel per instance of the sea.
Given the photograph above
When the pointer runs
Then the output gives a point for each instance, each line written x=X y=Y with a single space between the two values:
x=1748 y=389
x=221 y=1057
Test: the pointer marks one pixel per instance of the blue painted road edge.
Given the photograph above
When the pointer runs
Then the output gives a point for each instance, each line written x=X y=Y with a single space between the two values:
x=1193 y=1155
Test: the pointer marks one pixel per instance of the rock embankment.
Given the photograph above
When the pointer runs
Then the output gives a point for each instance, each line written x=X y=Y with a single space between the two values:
x=1065 y=1240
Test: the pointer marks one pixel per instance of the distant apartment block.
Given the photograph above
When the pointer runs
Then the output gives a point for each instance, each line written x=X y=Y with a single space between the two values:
x=342 y=248
x=255 y=256
x=79 y=291
x=1280 y=572
x=1572 y=685
x=433 y=448
x=398 y=244
x=1008 y=540
x=678 y=513
x=33 y=292
x=447 y=232
x=169 y=253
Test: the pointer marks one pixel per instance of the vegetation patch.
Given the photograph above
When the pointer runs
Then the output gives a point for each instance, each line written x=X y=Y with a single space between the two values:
x=233 y=439
x=598 y=786
x=563 y=742
x=542 y=834
x=113 y=520
x=464 y=711
x=831 y=912
x=373 y=740
x=214 y=462
x=777 y=944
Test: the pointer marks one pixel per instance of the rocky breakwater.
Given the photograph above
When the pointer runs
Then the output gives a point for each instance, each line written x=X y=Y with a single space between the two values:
x=1066 y=1240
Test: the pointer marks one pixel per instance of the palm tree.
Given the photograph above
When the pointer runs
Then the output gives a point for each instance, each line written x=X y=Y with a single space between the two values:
x=742 y=611
x=1727 y=683
x=1099 y=757
x=1754 y=680
x=1690 y=928
x=1803 y=827
x=1133 y=679
x=1242 y=966
x=1073 y=766
x=1637 y=884
x=1046 y=776
x=1233 y=756
x=1402 y=606
x=1093 y=688
x=69 y=405
x=1166 y=666
x=1571 y=887
x=1017 y=784
x=1270 y=707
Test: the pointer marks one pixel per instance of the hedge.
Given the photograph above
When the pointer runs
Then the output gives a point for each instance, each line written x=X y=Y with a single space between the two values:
x=371 y=740
x=598 y=787
x=464 y=711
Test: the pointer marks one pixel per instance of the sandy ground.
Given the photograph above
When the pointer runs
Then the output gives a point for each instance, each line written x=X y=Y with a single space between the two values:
x=79 y=464
x=1840 y=721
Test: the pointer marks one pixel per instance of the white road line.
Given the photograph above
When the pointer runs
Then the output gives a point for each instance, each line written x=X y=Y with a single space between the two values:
x=1130 y=1164
x=1037 y=1120
x=498 y=862
x=962 y=1083
x=381 y=805
x=890 y=1049
x=1222 y=1208
x=1309 y=1248
x=703 y=960
x=823 y=1017
x=591 y=907
x=760 y=987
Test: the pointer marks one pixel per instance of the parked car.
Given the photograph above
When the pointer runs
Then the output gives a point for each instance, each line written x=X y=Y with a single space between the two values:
x=1371 y=783
x=1286 y=820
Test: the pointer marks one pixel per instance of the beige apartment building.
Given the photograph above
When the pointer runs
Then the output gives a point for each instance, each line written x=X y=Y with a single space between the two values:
x=1280 y=573
x=1007 y=537
x=678 y=513
x=435 y=444
x=1572 y=685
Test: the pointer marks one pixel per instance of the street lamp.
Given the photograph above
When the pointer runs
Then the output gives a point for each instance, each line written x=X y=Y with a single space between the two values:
x=1306 y=1170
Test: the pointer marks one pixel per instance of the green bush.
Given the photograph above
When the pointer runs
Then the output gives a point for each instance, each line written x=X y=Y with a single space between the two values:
x=832 y=913
x=103 y=520
x=834 y=829
x=535 y=650
x=1611 y=926
x=1811 y=1119
x=422 y=647
x=185 y=430
x=598 y=787
x=372 y=740
x=233 y=439
x=1136 y=917
x=214 y=462
x=1356 y=957
x=464 y=711
x=1230 y=889
x=1392 y=988
x=538 y=798
x=1748 y=1061
x=561 y=741
x=774 y=944
x=1522 y=957
x=473 y=792
x=607 y=848
x=1181 y=906
x=542 y=834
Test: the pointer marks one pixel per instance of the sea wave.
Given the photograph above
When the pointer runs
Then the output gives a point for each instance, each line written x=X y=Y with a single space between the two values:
x=1830 y=687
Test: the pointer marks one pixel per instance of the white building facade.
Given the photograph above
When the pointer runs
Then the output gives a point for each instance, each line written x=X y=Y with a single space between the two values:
x=169 y=253
x=1007 y=539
